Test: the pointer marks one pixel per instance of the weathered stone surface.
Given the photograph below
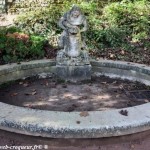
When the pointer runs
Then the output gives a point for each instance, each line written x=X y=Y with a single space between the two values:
x=64 y=125
x=25 y=69
x=74 y=73
x=73 y=60
x=73 y=24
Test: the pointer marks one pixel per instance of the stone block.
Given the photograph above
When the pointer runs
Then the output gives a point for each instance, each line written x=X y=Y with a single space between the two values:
x=74 y=73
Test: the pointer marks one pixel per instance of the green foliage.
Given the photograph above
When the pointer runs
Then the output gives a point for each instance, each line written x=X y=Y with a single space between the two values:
x=122 y=25
x=131 y=16
x=11 y=29
x=109 y=37
x=41 y=22
x=113 y=24
x=44 y=21
x=16 y=46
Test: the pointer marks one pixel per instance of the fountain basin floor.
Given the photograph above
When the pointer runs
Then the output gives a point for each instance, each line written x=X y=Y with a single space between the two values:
x=89 y=124
x=101 y=93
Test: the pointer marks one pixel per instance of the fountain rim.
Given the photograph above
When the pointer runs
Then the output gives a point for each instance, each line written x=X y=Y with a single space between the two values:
x=70 y=124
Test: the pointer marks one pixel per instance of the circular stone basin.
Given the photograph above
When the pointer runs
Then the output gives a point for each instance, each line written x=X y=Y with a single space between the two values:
x=101 y=93
x=77 y=123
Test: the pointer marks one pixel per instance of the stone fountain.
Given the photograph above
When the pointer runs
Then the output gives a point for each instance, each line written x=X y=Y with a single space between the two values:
x=73 y=65
x=72 y=61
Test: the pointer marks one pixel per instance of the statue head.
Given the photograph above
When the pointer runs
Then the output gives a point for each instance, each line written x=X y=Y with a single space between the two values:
x=75 y=11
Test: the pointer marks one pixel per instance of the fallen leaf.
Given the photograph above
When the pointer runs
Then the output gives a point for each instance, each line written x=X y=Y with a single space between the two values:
x=83 y=97
x=33 y=90
x=84 y=114
x=20 y=83
x=14 y=94
x=122 y=52
x=33 y=93
x=118 y=95
x=87 y=89
x=78 y=122
x=74 y=105
x=40 y=98
x=27 y=94
x=18 y=63
x=104 y=82
x=114 y=82
x=70 y=109
x=53 y=85
x=25 y=84
x=111 y=55
x=121 y=86
x=132 y=146
x=46 y=83
x=68 y=97
x=64 y=85
x=29 y=106
x=124 y=112
x=146 y=101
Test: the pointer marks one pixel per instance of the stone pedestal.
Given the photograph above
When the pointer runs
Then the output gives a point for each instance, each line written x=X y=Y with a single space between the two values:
x=74 y=73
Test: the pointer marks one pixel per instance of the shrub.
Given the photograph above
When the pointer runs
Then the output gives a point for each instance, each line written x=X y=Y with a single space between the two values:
x=112 y=23
x=19 y=46
x=131 y=16
x=44 y=21
x=109 y=37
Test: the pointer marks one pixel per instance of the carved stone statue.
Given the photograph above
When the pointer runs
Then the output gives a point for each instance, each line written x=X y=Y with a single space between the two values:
x=73 y=46
x=72 y=61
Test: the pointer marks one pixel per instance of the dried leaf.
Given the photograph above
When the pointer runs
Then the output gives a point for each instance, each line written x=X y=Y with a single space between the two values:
x=84 y=114
x=27 y=94
x=46 y=83
x=20 y=83
x=68 y=97
x=104 y=82
x=53 y=85
x=78 y=122
x=83 y=97
x=18 y=63
x=87 y=89
x=25 y=84
x=118 y=95
x=111 y=55
x=122 y=52
x=146 y=101
x=33 y=90
x=33 y=93
x=30 y=106
x=14 y=94
x=124 y=112
x=132 y=146
x=64 y=85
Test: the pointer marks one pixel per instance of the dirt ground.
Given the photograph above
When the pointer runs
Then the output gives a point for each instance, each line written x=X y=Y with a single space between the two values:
x=102 y=93
x=140 y=141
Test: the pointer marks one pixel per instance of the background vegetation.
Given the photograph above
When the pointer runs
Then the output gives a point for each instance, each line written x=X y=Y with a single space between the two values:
x=118 y=30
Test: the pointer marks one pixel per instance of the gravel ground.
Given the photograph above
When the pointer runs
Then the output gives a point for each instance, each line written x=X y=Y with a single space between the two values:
x=140 y=141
